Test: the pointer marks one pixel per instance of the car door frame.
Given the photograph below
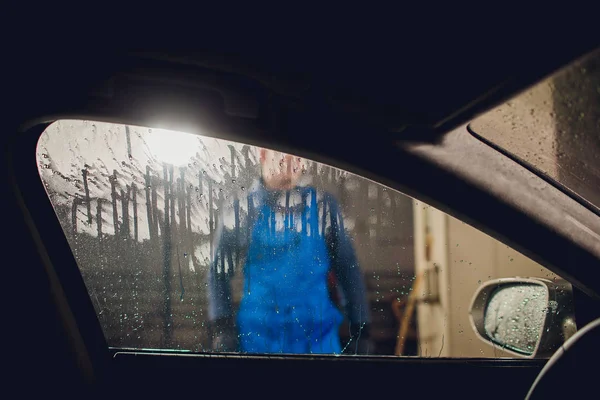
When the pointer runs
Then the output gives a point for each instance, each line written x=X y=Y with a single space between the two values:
x=456 y=192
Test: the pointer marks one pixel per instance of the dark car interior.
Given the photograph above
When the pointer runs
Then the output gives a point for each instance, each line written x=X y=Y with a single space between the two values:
x=355 y=108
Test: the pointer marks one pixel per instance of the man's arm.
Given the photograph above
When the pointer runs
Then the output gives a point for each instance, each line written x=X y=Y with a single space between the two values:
x=219 y=290
x=348 y=272
x=220 y=312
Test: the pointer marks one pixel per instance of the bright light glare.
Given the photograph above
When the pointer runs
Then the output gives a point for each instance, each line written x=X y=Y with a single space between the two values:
x=172 y=147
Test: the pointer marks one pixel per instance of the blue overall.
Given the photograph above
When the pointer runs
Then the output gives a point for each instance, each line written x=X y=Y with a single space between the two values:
x=286 y=305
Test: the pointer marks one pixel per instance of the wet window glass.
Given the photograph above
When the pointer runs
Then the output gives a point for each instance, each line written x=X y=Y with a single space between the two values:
x=554 y=127
x=191 y=243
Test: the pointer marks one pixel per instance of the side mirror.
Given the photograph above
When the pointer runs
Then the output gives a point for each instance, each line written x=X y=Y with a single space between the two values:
x=528 y=317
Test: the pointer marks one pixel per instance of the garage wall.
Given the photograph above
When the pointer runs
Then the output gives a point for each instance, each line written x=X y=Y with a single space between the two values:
x=434 y=322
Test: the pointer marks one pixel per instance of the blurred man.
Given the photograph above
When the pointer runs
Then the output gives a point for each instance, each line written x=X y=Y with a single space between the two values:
x=295 y=242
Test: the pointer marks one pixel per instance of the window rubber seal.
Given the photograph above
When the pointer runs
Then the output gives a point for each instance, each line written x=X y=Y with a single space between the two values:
x=531 y=168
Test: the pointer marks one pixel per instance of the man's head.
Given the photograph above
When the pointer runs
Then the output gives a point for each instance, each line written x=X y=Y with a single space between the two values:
x=280 y=171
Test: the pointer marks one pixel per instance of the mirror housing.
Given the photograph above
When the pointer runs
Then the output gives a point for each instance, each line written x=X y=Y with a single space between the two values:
x=527 y=317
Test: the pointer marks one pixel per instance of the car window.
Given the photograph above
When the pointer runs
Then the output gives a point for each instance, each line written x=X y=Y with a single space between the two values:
x=554 y=127
x=191 y=243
